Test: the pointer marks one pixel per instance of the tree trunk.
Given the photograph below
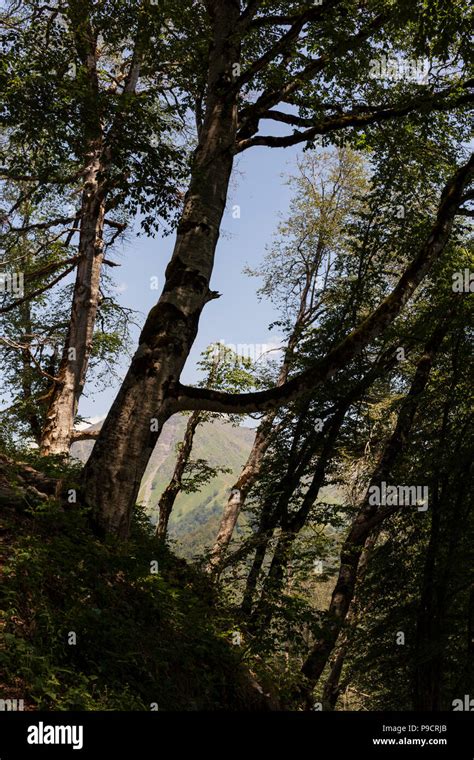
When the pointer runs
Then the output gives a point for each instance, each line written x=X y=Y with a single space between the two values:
x=173 y=488
x=239 y=493
x=253 y=465
x=292 y=525
x=132 y=427
x=368 y=518
x=333 y=687
x=59 y=425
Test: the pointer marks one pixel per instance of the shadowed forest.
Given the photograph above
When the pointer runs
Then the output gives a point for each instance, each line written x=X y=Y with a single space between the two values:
x=292 y=529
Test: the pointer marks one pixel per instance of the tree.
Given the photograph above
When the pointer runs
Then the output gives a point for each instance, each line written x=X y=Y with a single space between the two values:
x=251 y=52
x=35 y=322
x=328 y=190
x=416 y=632
x=86 y=121
x=369 y=516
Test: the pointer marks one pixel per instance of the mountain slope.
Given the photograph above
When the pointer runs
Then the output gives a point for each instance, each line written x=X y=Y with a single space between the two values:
x=195 y=517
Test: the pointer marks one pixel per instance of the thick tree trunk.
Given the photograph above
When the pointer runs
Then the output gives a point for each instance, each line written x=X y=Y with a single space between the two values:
x=168 y=497
x=59 y=425
x=131 y=429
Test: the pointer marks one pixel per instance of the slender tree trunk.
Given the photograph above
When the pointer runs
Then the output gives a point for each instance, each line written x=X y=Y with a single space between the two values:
x=239 y=493
x=168 y=497
x=449 y=515
x=267 y=528
x=99 y=159
x=270 y=515
x=131 y=429
x=428 y=655
x=273 y=514
x=368 y=518
x=33 y=418
x=292 y=525
x=446 y=518
x=59 y=425
x=333 y=687
x=252 y=468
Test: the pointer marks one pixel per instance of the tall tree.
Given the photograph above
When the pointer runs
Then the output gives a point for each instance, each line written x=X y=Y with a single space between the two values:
x=369 y=516
x=306 y=50
x=85 y=116
x=328 y=189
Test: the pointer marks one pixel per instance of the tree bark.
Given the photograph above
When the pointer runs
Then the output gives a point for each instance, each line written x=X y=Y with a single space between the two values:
x=58 y=430
x=131 y=429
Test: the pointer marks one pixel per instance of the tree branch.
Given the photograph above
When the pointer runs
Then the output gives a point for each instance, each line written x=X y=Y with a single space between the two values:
x=436 y=102
x=284 y=42
x=251 y=115
x=189 y=398
x=84 y=435
x=38 y=292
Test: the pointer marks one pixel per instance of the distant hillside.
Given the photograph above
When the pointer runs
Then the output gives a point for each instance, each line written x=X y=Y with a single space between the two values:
x=196 y=516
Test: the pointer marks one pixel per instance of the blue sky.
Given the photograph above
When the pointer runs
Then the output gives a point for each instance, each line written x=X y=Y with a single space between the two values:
x=259 y=188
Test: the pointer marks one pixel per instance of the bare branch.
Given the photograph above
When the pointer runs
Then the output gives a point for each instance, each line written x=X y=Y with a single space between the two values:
x=44 y=225
x=84 y=435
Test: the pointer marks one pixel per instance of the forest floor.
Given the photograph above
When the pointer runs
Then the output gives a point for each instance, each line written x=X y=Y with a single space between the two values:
x=89 y=625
